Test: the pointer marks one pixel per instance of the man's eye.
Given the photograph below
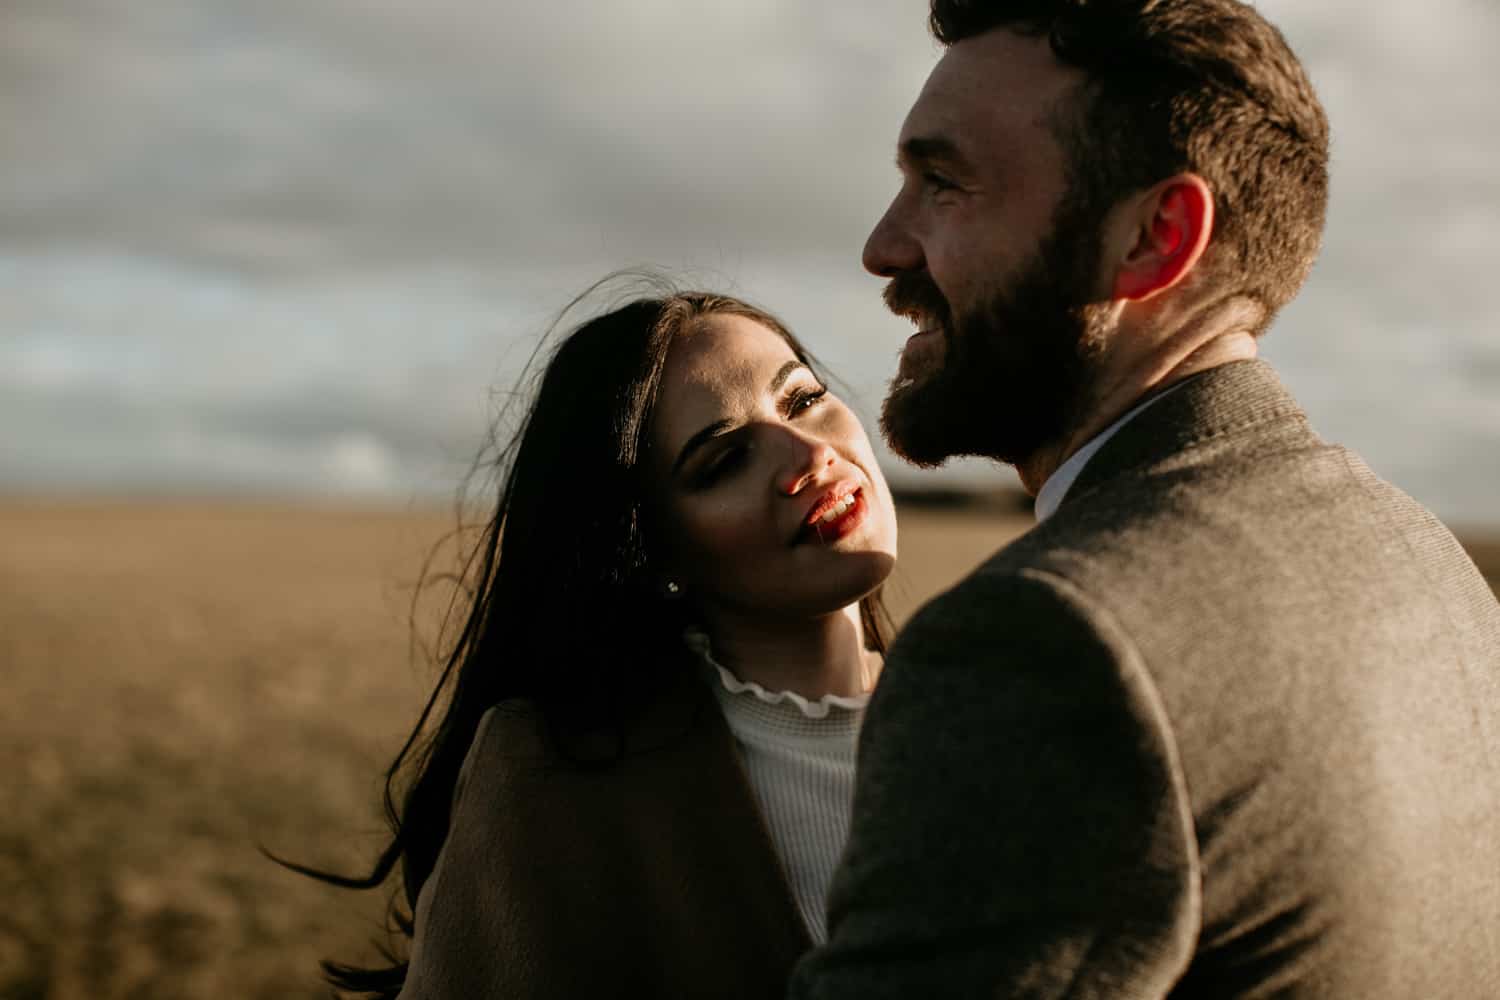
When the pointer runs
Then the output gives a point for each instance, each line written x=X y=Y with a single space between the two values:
x=937 y=183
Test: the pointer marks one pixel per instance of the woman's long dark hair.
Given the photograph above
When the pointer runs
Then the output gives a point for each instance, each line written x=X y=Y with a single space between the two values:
x=565 y=607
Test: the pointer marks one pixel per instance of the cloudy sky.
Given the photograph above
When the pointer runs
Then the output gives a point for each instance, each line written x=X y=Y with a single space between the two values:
x=301 y=246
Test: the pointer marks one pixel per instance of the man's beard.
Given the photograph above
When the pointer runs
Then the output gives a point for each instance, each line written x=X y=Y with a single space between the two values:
x=1015 y=375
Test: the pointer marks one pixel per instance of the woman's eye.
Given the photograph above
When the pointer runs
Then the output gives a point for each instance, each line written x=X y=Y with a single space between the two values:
x=806 y=398
x=721 y=465
x=724 y=463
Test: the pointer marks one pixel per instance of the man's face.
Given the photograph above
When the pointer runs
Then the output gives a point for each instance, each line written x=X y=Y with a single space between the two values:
x=991 y=257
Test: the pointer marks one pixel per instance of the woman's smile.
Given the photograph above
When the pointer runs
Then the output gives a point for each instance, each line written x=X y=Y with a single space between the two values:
x=838 y=513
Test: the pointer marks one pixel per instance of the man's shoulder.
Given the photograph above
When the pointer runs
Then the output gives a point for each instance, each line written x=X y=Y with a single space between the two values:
x=1051 y=557
x=1016 y=607
x=1223 y=506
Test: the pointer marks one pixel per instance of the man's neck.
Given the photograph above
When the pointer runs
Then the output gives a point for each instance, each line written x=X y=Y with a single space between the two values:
x=814 y=657
x=1115 y=394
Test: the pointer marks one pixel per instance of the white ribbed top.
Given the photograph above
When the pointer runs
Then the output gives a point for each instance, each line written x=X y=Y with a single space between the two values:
x=799 y=757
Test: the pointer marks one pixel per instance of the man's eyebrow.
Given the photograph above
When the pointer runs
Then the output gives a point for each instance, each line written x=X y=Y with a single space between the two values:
x=928 y=149
x=716 y=428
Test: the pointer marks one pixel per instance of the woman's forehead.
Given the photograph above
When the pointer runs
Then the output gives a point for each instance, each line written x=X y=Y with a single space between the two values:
x=725 y=354
x=723 y=365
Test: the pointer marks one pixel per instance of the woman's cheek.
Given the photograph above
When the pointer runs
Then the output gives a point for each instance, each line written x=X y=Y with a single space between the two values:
x=725 y=530
x=843 y=428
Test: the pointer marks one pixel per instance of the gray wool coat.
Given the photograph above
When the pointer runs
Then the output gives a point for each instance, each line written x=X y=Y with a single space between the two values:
x=1226 y=726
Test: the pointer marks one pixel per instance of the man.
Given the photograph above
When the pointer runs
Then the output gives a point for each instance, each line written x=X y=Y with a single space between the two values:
x=1224 y=724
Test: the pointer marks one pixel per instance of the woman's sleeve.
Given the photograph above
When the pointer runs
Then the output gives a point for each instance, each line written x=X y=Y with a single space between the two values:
x=461 y=942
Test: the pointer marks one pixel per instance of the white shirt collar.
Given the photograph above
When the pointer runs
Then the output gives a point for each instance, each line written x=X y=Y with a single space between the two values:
x=1050 y=496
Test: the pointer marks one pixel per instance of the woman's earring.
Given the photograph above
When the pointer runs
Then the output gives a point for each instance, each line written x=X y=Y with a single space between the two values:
x=673 y=590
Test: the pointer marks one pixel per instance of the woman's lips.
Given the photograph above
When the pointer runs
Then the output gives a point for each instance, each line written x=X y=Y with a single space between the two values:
x=830 y=522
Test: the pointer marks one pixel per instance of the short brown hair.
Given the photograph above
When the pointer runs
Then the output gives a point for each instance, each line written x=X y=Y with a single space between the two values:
x=1206 y=86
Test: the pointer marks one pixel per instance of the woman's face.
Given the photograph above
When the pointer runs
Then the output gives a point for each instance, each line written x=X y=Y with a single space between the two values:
x=770 y=501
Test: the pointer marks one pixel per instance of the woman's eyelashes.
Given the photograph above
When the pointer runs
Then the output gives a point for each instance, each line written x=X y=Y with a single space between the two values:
x=804 y=398
x=724 y=461
x=735 y=447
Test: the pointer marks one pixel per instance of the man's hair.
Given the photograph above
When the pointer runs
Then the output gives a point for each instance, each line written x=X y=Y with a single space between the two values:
x=1204 y=86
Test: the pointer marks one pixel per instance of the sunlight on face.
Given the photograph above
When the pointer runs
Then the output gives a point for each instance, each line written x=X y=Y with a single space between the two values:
x=770 y=503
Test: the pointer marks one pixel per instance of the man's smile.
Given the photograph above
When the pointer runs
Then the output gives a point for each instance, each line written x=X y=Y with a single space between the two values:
x=922 y=354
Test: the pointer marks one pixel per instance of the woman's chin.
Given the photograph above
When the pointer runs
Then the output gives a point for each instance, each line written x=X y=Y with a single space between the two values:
x=858 y=576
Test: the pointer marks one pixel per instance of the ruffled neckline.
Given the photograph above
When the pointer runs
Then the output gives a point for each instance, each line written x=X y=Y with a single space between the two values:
x=813 y=709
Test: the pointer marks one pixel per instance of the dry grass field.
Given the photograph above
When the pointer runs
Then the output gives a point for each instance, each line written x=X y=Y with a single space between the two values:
x=180 y=683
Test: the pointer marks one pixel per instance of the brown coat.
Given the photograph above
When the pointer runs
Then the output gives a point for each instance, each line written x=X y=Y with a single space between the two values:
x=653 y=877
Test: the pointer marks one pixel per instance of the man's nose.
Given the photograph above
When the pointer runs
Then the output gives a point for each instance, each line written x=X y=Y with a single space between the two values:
x=807 y=460
x=890 y=248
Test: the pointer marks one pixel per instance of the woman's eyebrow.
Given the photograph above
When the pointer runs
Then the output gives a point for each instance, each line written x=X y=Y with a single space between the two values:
x=785 y=372
x=714 y=429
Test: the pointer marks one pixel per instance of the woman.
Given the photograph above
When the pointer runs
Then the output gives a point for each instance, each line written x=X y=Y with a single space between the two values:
x=641 y=781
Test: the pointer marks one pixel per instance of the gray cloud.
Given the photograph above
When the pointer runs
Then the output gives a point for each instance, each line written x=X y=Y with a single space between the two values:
x=281 y=245
x=347 y=134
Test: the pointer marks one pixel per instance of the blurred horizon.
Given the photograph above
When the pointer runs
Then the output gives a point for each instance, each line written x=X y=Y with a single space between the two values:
x=298 y=252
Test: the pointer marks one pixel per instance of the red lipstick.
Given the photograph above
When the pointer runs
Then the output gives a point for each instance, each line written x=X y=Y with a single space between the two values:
x=836 y=514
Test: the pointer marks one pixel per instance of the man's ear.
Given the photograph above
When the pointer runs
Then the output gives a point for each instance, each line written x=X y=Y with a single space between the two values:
x=1172 y=224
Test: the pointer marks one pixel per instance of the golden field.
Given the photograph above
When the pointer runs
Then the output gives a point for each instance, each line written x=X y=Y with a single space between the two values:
x=179 y=683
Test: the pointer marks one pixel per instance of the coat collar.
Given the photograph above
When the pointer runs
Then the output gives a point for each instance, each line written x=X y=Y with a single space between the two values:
x=1061 y=481
x=1240 y=396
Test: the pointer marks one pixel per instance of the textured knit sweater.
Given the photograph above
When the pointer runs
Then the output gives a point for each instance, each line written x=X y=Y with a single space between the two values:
x=799 y=757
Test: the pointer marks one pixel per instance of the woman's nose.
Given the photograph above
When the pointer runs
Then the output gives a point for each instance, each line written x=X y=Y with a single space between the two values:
x=807 y=460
